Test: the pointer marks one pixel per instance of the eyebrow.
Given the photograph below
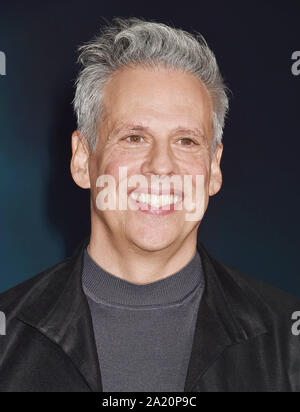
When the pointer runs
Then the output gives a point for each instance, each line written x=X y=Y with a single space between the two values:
x=139 y=127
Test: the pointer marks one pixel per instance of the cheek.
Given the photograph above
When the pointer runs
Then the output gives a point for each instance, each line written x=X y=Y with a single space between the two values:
x=197 y=167
x=111 y=162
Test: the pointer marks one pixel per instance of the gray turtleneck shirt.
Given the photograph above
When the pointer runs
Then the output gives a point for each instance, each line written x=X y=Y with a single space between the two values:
x=144 y=333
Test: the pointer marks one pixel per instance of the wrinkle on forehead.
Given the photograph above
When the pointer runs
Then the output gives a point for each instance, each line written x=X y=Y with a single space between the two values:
x=123 y=99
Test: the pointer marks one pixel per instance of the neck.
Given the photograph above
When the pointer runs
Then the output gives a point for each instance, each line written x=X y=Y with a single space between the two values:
x=136 y=265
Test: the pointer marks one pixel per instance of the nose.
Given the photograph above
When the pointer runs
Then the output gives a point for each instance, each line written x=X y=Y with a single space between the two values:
x=160 y=160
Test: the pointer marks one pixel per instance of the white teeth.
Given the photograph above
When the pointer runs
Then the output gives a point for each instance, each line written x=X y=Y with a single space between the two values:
x=134 y=195
x=155 y=200
x=144 y=198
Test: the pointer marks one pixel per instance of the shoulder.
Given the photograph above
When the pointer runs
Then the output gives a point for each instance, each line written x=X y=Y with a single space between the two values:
x=12 y=300
x=44 y=288
x=278 y=303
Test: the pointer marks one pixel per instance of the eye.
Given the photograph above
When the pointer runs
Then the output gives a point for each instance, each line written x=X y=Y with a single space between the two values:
x=186 y=141
x=134 y=139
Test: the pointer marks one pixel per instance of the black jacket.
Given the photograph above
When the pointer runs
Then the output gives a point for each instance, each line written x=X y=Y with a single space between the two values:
x=243 y=339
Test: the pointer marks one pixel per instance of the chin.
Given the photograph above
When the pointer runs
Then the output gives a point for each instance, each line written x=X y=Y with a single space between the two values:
x=152 y=244
x=152 y=248
x=154 y=234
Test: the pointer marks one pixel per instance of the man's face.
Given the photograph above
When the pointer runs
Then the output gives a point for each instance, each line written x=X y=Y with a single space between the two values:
x=156 y=122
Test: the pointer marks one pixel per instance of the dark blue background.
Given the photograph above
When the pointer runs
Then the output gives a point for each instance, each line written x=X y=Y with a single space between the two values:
x=252 y=224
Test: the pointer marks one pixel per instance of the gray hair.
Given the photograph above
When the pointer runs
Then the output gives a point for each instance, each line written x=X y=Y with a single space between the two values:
x=131 y=42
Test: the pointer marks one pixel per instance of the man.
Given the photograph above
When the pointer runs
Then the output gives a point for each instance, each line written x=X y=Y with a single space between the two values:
x=141 y=306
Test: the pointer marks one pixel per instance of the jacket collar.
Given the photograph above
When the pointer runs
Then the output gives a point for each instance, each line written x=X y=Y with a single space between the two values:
x=58 y=308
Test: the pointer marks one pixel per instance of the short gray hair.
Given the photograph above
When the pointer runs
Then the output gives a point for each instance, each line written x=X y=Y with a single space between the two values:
x=131 y=42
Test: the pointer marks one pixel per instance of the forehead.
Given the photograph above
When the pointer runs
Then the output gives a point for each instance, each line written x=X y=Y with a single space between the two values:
x=156 y=98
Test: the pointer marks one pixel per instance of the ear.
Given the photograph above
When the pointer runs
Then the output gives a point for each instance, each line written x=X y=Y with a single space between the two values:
x=80 y=161
x=215 y=182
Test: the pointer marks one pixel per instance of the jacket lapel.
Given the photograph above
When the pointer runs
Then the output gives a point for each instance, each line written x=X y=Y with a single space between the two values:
x=60 y=311
x=225 y=317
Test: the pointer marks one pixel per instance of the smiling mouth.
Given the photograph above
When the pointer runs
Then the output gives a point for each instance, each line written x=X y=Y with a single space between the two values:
x=155 y=202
